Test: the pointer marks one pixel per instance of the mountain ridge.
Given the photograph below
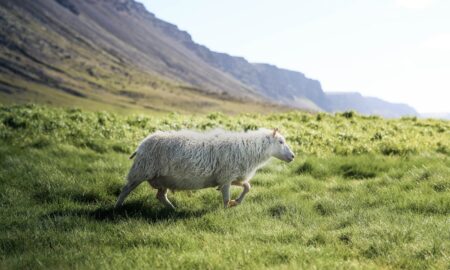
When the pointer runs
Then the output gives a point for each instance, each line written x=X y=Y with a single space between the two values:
x=344 y=101
x=82 y=47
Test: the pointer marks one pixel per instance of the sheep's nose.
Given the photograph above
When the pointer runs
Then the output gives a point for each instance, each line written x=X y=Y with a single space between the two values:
x=292 y=156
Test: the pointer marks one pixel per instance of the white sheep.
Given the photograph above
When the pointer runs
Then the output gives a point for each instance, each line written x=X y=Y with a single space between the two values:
x=188 y=160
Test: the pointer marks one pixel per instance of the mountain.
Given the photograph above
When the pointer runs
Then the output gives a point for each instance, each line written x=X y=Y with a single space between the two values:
x=285 y=86
x=444 y=116
x=116 y=54
x=108 y=54
x=345 y=101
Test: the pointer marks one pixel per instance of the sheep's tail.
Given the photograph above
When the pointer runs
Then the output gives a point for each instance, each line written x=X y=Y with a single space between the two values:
x=132 y=155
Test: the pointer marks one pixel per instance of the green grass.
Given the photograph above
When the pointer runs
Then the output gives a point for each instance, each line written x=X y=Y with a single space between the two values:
x=364 y=193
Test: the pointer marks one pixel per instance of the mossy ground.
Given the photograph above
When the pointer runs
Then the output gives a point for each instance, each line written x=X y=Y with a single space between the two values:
x=364 y=193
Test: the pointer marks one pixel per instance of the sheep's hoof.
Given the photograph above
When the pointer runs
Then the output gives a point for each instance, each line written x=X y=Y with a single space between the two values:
x=232 y=203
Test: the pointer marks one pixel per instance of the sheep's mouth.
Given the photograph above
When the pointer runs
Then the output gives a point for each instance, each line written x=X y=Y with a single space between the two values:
x=289 y=159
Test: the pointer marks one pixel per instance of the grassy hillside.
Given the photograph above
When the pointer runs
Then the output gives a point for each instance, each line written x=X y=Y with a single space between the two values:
x=364 y=192
x=50 y=56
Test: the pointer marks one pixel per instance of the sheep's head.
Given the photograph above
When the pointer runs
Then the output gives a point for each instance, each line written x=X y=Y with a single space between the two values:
x=279 y=147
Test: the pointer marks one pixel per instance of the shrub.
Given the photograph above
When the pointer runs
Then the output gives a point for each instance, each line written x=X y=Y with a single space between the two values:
x=348 y=114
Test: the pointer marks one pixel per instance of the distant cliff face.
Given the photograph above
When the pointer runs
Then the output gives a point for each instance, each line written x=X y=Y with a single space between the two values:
x=116 y=35
x=339 y=102
x=278 y=84
x=444 y=116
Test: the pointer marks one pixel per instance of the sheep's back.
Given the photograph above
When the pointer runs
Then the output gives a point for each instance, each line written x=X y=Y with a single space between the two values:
x=181 y=155
x=196 y=155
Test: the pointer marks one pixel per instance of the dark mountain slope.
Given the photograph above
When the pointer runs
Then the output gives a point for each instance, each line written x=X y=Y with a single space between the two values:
x=61 y=54
x=114 y=53
x=125 y=29
x=286 y=86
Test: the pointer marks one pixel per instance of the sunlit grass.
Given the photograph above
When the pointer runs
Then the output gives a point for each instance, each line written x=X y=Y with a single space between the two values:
x=343 y=203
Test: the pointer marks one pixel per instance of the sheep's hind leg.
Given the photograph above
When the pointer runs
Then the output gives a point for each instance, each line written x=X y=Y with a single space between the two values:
x=125 y=191
x=246 y=189
x=161 y=195
x=225 y=189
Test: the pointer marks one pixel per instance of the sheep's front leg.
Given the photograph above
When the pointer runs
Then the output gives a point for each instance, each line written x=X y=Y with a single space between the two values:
x=246 y=189
x=225 y=189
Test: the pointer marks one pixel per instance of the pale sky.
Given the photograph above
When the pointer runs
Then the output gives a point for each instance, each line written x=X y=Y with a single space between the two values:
x=398 y=50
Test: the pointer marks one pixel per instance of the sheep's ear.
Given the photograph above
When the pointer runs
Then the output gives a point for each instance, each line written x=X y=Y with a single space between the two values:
x=275 y=130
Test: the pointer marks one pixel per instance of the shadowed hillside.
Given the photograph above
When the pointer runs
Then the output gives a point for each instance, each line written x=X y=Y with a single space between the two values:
x=106 y=54
x=116 y=55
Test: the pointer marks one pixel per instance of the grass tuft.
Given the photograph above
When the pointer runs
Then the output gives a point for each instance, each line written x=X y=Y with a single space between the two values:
x=325 y=207
x=306 y=167
x=317 y=240
x=354 y=171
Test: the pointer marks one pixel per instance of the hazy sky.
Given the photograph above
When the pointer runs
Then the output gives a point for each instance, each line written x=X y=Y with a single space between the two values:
x=398 y=50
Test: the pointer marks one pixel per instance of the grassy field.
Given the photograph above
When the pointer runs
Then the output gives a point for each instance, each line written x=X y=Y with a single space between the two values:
x=363 y=193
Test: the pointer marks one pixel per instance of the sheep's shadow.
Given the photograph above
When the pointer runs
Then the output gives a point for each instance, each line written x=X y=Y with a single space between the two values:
x=131 y=210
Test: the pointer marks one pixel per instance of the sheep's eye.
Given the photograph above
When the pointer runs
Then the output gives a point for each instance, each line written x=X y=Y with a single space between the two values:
x=281 y=142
